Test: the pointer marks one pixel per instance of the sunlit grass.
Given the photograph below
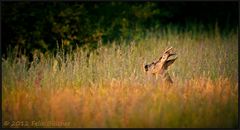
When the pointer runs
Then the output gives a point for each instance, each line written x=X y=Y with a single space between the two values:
x=110 y=89
x=199 y=103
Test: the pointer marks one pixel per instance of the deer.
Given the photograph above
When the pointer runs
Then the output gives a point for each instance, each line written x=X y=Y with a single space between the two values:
x=159 y=68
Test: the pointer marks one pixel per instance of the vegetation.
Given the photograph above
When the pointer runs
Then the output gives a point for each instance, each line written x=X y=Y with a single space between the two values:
x=108 y=88
x=46 y=25
x=80 y=64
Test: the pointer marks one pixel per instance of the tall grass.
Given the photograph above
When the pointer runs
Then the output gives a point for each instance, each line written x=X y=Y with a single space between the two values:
x=108 y=88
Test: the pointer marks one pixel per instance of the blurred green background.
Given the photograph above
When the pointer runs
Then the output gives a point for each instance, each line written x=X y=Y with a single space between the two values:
x=47 y=26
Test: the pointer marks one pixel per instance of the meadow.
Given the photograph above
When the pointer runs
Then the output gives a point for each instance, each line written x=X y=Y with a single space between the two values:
x=108 y=87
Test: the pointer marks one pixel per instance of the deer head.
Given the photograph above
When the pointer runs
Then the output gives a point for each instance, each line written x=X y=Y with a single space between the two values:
x=159 y=67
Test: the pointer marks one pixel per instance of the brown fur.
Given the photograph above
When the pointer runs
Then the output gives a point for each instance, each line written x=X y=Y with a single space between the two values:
x=159 y=68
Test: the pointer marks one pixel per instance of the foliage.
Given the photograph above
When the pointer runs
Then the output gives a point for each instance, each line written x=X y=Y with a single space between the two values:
x=48 y=25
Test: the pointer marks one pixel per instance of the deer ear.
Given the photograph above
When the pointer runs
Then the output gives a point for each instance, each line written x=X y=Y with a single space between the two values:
x=169 y=62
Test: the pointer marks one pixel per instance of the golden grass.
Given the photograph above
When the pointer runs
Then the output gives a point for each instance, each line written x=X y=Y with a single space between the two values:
x=200 y=103
x=109 y=88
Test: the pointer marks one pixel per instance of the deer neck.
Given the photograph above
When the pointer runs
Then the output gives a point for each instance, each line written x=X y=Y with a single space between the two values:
x=164 y=75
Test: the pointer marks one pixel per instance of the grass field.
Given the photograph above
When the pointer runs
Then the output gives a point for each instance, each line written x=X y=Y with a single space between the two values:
x=110 y=89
